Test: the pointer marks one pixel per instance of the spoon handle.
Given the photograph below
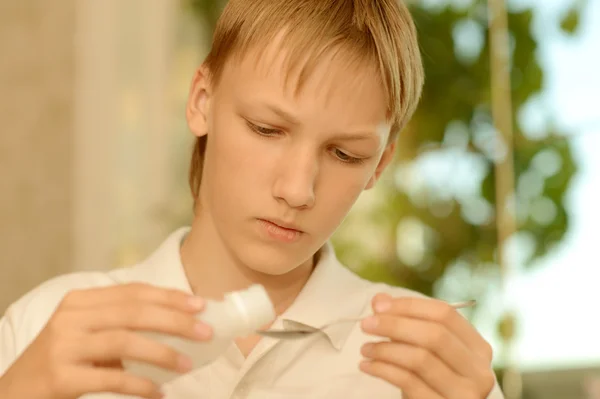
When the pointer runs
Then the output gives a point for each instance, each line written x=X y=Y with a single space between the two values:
x=304 y=332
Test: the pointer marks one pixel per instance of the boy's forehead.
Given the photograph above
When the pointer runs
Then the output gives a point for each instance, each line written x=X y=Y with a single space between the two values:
x=277 y=66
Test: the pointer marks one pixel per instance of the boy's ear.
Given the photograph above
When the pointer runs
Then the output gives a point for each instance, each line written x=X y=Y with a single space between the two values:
x=198 y=104
x=386 y=159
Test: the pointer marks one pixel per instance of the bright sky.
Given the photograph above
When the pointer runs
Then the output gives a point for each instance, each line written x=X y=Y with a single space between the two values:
x=557 y=302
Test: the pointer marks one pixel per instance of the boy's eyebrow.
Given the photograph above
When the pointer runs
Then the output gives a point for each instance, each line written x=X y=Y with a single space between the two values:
x=358 y=136
x=355 y=136
x=276 y=109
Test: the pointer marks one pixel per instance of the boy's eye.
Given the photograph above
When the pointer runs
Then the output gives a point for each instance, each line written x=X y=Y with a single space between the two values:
x=342 y=156
x=263 y=131
x=269 y=132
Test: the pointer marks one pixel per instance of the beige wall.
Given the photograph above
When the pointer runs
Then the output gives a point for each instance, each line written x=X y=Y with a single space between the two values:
x=36 y=110
x=90 y=104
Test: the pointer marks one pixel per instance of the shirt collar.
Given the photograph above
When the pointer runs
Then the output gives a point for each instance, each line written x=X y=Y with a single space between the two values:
x=332 y=292
x=164 y=268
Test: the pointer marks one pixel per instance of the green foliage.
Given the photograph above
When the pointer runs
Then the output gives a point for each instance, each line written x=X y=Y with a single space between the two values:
x=571 y=19
x=207 y=11
x=453 y=127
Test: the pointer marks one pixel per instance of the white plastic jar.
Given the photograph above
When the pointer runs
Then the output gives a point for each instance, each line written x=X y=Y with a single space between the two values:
x=238 y=315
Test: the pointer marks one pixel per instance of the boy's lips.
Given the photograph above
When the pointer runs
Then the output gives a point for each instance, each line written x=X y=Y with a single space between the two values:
x=283 y=224
x=280 y=230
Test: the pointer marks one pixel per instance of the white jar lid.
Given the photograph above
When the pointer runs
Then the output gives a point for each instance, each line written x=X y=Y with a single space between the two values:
x=254 y=305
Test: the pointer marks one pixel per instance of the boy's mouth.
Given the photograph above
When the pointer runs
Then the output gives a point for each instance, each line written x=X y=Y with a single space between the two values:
x=284 y=225
x=281 y=230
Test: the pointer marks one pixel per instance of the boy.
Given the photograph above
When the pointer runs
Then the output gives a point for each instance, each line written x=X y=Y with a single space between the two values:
x=296 y=111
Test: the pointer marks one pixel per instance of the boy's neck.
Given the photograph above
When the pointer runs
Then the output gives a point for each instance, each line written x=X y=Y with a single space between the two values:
x=211 y=270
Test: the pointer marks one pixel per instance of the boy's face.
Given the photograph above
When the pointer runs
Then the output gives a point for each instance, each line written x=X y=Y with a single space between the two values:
x=275 y=159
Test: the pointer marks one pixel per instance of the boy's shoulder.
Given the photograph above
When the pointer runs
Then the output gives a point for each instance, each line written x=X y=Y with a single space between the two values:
x=345 y=275
x=345 y=280
x=395 y=291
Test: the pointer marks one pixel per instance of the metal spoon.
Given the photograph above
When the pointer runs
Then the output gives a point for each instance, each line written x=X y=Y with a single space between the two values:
x=305 y=331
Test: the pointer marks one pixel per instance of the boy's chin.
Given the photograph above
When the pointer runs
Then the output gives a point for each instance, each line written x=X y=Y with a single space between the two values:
x=271 y=263
x=272 y=270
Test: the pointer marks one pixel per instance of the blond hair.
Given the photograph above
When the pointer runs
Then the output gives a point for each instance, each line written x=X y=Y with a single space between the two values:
x=379 y=32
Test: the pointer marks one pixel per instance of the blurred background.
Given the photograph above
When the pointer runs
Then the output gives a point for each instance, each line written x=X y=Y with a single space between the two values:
x=492 y=195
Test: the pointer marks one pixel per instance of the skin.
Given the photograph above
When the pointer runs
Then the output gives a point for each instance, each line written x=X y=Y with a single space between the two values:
x=307 y=168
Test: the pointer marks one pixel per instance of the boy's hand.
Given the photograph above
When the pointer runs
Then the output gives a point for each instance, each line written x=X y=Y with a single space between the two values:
x=80 y=349
x=434 y=352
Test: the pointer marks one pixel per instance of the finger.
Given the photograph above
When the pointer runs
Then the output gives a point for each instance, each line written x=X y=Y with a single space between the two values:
x=427 y=335
x=135 y=292
x=436 y=311
x=113 y=346
x=426 y=365
x=410 y=384
x=94 y=380
x=144 y=317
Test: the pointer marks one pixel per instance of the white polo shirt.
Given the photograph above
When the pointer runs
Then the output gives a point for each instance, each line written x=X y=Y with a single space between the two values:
x=320 y=366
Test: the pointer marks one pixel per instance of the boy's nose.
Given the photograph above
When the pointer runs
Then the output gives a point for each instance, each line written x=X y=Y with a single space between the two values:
x=296 y=180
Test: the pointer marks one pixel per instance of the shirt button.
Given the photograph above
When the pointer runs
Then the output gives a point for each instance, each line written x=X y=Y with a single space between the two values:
x=241 y=391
